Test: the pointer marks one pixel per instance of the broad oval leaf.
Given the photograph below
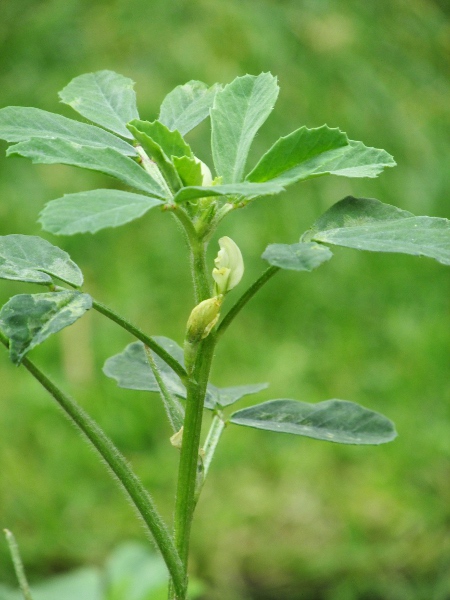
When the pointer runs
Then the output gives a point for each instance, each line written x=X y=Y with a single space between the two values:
x=187 y=105
x=351 y=160
x=21 y=123
x=336 y=421
x=296 y=148
x=368 y=224
x=105 y=98
x=105 y=160
x=304 y=256
x=29 y=319
x=246 y=190
x=32 y=259
x=239 y=111
x=222 y=397
x=95 y=210
x=132 y=371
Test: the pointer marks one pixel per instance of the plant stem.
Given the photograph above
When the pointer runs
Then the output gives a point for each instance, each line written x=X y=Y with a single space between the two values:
x=246 y=296
x=120 y=470
x=140 y=335
x=189 y=458
x=18 y=565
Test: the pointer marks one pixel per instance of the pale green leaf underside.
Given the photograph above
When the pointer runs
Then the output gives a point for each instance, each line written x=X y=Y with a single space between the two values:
x=304 y=256
x=336 y=421
x=368 y=224
x=353 y=160
x=296 y=148
x=131 y=370
x=239 y=111
x=32 y=259
x=245 y=190
x=95 y=210
x=187 y=105
x=29 y=319
x=20 y=123
x=105 y=98
x=105 y=160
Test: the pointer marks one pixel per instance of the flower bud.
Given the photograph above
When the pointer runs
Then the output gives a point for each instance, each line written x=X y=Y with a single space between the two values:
x=229 y=266
x=206 y=173
x=202 y=319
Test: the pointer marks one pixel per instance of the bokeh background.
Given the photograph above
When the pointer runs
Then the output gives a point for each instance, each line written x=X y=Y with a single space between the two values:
x=281 y=517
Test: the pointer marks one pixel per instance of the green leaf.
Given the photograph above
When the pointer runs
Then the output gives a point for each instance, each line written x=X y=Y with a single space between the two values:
x=368 y=224
x=91 y=211
x=84 y=583
x=352 y=160
x=187 y=105
x=141 y=130
x=239 y=111
x=132 y=371
x=222 y=397
x=333 y=421
x=105 y=160
x=296 y=148
x=189 y=170
x=171 y=142
x=245 y=190
x=20 y=123
x=304 y=256
x=105 y=98
x=31 y=259
x=29 y=319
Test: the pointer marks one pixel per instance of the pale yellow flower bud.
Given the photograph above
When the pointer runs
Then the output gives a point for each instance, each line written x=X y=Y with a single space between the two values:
x=229 y=266
x=206 y=173
x=202 y=319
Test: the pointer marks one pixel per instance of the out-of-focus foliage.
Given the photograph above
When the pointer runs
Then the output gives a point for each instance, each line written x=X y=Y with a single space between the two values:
x=281 y=518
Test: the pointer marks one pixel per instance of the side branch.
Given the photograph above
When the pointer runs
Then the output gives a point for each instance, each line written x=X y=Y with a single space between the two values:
x=119 y=468
x=246 y=296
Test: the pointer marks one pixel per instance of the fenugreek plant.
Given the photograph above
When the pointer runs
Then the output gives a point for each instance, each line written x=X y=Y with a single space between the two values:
x=157 y=169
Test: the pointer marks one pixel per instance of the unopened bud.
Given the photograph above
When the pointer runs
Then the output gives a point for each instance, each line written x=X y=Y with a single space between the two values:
x=206 y=173
x=177 y=439
x=202 y=319
x=229 y=266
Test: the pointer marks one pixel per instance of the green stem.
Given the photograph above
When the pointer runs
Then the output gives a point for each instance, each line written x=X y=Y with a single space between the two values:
x=18 y=565
x=174 y=409
x=189 y=458
x=246 y=296
x=140 y=335
x=120 y=470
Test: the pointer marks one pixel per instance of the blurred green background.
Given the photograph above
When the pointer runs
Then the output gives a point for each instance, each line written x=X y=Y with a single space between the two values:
x=281 y=517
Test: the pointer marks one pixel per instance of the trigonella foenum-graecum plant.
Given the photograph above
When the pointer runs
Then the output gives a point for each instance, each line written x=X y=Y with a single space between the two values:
x=157 y=169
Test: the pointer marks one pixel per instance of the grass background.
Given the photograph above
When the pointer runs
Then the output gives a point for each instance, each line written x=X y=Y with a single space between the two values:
x=281 y=517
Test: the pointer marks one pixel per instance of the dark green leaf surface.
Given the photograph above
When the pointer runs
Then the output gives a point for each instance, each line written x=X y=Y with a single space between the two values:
x=336 y=421
x=239 y=111
x=222 y=397
x=353 y=160
x=304 y=256
x=29 y=319
x=245 y=190
x=20 y=123
x=31 y=259
x=187 y=105
x=296 y=148
x=368 y=224
x=105 y=98
x=156 y=152
x=91 y=211
x=132 y=371
x=189 y=170
x=105 y=160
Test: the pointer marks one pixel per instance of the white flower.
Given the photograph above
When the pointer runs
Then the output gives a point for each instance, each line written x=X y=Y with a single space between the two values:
x=229 y=266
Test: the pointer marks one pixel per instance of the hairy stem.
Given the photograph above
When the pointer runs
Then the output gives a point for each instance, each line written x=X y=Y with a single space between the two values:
x=119 y=468
x=18 y=565
x=246 y=296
